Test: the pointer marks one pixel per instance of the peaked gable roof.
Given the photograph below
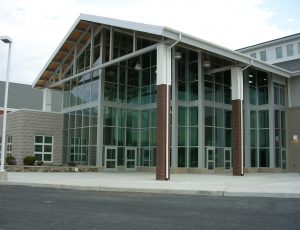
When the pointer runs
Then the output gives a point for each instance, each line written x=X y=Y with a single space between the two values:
x=82 y=22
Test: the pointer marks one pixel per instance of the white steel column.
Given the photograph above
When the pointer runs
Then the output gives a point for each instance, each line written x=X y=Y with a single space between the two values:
x=47 y=101
x=201 y=126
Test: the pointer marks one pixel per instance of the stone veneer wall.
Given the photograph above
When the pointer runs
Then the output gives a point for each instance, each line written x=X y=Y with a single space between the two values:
x=23 y=125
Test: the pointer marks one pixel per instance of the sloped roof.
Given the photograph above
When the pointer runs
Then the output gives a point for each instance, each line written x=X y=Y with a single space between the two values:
x=292 y=65
x=76 y=31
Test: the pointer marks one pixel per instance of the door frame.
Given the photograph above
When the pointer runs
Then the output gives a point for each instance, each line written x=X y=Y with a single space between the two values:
x=230 y=161
x=135 y=158
x=208 y=148
x=116 y=158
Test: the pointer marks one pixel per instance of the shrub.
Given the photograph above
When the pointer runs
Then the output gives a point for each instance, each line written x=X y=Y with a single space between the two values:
x=29 y=160
x=10 y=160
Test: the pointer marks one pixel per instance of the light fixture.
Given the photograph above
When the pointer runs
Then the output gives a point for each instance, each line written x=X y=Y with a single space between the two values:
x=7 y=40
x=177 y=55
x=206 y=64
x=295 y=137
x=138 y=66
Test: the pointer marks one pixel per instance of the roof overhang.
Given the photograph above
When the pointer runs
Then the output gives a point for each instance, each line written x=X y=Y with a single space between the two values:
x=166 y=32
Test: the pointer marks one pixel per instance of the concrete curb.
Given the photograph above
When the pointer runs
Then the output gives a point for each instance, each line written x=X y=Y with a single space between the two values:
x=157 y=191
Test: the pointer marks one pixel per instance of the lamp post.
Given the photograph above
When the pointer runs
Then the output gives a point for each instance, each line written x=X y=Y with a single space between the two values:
x=8 y=40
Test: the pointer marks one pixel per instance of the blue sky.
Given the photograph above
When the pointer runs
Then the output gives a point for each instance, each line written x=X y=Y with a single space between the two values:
x=37 y=27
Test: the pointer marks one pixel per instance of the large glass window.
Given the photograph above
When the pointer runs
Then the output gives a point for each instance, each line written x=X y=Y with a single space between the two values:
x=187 y=69
x=279 y=94
x=259 y=138
x=217 y=87
x=187 y=136
x=43 y=148
x=258 y=87
x=80 y=137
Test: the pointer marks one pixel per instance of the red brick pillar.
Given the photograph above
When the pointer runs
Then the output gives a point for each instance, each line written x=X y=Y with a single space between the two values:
x=237 y=138
x=162 y=131
x=237 y=121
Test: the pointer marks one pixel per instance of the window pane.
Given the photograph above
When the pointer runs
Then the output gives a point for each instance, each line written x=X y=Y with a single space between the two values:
x=209 y=136
x=193 y=136
x=278 y=51
x=263 y=119
x=47 y=157
x=264 y=158
x=181 y=157
x=253 y=158
x=48 y=140
x=181 y=136
x=208 y=91
x=264 y=137
x=219 y=118
x=38 y=139
x=290 y=50
x=263 y=55
x=193 y=157
x=209 y=116
x=38 y=148
x=193 y=116
x=39 y=157
x=47 y=148
x=182 y=116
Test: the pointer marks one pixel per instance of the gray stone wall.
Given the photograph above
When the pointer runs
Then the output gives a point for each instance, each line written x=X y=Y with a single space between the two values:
x=23 y=125
x=294 y=146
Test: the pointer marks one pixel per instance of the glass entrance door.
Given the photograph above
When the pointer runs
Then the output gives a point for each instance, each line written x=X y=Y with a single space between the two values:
x=130 y=159
x=110 y=158
x=227 y=159
x=210 y=158
x=283 y=159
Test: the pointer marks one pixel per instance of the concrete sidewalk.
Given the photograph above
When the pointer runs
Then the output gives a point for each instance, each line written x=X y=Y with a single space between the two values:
x=284 y=185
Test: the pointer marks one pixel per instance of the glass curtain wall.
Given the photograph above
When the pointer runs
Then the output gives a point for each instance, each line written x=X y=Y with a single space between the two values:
x=218 y=124
x=280 y=126
x=187 y=72
x=130 y=108
x=262 y=112
x=127 y=94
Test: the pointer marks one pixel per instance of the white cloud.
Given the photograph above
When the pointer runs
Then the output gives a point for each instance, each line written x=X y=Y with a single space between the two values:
x=37 y=27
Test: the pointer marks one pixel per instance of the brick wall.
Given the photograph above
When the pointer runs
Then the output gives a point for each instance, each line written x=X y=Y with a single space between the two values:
x=161 y=134
x=236 y=137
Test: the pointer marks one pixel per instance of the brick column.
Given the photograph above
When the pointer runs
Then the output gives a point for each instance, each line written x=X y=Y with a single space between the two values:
x=237 y=121
x=237 y=140
x=163 y=82
x=162 y=151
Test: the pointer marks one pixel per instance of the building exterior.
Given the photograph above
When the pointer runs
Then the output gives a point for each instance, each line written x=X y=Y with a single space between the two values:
x=26 y=122
x=285 y=53
x=143 y=97
x=34 y=132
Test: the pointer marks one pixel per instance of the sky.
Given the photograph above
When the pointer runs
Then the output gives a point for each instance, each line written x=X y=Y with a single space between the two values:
x=37 y=27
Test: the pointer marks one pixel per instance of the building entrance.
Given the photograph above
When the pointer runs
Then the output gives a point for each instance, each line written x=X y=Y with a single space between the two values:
x=130 y=159
x=111 y=156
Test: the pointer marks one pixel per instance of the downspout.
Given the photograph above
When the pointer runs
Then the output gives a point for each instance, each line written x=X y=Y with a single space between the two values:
x=168 y=113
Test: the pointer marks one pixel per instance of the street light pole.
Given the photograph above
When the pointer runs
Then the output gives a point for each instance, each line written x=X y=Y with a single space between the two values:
x=8 y=40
